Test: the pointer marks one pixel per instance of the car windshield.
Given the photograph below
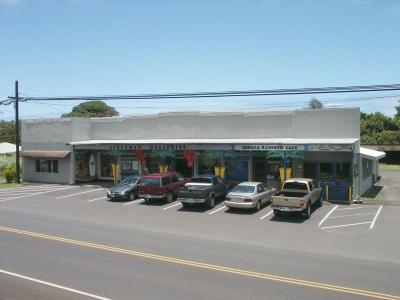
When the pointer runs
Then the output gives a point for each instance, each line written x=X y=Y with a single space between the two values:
x=129 y=179
x=243 y=189
x=201 y=180
x=150 y=181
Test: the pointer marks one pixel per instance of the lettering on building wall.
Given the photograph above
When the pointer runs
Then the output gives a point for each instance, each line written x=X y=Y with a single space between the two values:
x=268 y=147
x=148 y=146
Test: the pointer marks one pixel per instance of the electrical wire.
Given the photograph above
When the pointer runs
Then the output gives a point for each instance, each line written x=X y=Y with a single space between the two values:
x=248 y=93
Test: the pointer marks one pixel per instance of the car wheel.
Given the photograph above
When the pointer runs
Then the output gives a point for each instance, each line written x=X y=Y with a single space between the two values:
x=258 y=205
x=306 y=213
x=211 y=201
x=170 y=197
x=131 y=196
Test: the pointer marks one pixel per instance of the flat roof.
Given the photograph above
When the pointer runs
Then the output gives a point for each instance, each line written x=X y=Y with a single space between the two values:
x=293 y=141
x=371 y=154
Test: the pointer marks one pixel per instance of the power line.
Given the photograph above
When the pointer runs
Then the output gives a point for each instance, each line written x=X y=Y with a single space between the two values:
x=248 y=93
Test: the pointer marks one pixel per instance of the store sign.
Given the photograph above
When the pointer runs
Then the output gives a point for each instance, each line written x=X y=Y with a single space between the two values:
x=258 y=147
x=222 y=147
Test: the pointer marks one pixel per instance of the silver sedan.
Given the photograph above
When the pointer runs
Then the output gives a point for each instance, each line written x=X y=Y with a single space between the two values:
x=250 y=195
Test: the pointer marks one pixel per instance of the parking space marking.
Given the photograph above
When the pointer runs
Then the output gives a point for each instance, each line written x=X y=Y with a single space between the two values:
x=347 y=208
x=53 y=285
x=79 y=193
x=263 y=217
x=34 y=194
x=18 y=191
x=134 y=201
x=101 y=198
x=217 y=210
x=346 y=225
x=327 y=215
x=176 y=204
x=376 y=217
x=336 y=217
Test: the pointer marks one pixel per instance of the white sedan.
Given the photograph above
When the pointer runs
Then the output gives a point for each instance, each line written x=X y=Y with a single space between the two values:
x=250 y=195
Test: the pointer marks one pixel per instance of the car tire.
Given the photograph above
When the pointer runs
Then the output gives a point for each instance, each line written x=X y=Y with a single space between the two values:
x=258 y=205
x=169 y=197
x=306 y=213
x=131 y=196
x=211 y=201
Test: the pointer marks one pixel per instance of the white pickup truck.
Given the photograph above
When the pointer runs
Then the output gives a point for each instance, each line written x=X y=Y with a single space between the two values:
x=297 y=195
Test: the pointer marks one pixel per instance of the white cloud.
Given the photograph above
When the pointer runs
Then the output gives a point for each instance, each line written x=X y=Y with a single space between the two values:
x=10 y=2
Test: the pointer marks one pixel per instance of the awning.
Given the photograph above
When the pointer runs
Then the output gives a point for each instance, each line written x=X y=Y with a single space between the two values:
x=371 y=154
x=45 y=154
x=348 y=141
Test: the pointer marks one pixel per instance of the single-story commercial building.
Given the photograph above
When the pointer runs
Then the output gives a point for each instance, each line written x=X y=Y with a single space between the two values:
x=267 y=146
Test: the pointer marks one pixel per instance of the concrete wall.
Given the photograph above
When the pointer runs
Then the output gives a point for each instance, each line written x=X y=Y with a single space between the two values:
x=321 y=123
x=63 y=176
x=52 y=135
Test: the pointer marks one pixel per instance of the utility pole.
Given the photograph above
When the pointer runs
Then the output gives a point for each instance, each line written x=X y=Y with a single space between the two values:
x=17 y=168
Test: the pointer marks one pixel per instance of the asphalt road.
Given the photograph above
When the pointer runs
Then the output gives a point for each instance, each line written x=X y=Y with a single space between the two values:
x=101 y=250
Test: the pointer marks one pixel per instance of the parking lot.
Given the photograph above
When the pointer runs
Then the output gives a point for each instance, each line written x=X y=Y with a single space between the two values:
x=354 y=225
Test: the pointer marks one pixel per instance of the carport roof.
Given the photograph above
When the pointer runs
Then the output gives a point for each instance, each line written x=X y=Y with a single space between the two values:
x=294 y=141
x=371 y=154
x=45 y=154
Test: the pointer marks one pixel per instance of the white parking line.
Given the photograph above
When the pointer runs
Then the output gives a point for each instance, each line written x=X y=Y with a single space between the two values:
x=34 y=194
x=336 y=217
x=217 y=210
x=376 y=217
x=347 y=208
x=79 y=193
x=101 y=198
x=327 y=215
x=25 y=190
x=134 y=201
x=346 y=225
x=176 y=204
x=263 y=217
x=53 y=285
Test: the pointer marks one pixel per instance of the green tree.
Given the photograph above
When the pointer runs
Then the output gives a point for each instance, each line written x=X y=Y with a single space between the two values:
x=315 y=104
x=397 y=115
x=91 y=109
x=378 y=129
x=7 y=132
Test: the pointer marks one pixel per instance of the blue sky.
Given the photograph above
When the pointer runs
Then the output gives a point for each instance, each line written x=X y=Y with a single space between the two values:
x=102 y=47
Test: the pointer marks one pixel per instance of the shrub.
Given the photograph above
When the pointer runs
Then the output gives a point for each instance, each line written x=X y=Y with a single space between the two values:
x=9 y=173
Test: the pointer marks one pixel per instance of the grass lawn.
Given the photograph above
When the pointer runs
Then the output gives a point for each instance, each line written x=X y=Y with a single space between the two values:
x=4 y=185
x=389 y=166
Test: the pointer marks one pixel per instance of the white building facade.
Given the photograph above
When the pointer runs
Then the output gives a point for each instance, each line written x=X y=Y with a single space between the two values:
x=267 y=146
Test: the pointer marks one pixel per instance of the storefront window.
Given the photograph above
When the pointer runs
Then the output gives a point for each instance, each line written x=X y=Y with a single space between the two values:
x=129 y=166
x=343 y=171
x=236 y=170
x=310 y=169
x=325 y=171
x=105 y=162
x=273 y=170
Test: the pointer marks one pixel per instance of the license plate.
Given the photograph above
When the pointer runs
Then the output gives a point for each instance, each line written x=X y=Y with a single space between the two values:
x=190 y=201
x=148 y=196
x=284 y=209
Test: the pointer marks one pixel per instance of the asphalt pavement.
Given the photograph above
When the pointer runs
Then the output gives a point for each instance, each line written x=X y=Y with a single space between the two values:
x=68 y=242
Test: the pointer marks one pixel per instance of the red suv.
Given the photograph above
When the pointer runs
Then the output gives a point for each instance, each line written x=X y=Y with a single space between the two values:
x=161 y=186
